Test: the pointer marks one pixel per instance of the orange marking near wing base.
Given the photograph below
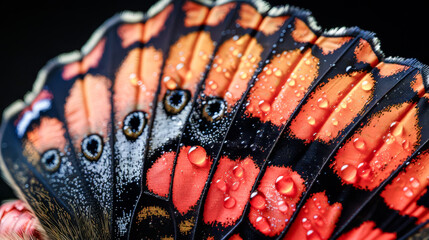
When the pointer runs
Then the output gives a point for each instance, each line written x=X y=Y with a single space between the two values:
x=281 y=86
x=275 y=200
x=333 y=106
x=389 y=69
x=385 y=142
x=158 y=176
x=316 y=219
x=150 y=70
x=270 y=25
x=130 y=33
x=405 y=190
x=189 y=178
x=49 y=134
x=367 y=231
x=229 y=191
x=364 y=53
x=155 y=24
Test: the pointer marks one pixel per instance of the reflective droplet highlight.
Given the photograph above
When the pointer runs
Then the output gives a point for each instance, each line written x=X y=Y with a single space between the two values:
x=286 y=186
x=197 y=156
x=257 y=201
x=349 y=173
x=359 y=144
x=229 y=202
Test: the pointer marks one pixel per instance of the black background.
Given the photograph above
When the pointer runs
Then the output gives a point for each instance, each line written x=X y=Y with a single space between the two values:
x=33 y=33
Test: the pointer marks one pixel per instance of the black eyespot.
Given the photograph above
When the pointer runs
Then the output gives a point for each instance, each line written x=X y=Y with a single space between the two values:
x=214 y=109
x=92 y=147
x=176 y=100
x=51 y=160
x=134 y=124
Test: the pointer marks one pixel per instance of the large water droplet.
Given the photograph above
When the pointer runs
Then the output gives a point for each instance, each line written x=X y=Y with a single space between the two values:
x=396 y=129
x=364 y=171
x=349 y=173
x=323 y=103
x=257 y=201
x=367 y=85
x=197 y=156
x=286 y=186
x=359 y=144
x=238 y=171
x=229 y=202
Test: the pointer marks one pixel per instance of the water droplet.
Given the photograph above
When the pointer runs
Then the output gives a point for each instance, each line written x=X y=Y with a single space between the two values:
x=364 y=171
x=349 y=173
x=311 y=120
x=291 y=82
x=213 y=86
x=334 y=121
x=396 y=129
x=238 y=171
x=323 y=102
x=133 y=79
x=306 y=223
x=197 y=156
x=405 y=144
x=319 y=221
x=367 y=85
x=262 y=225
x=278 y=73
x=286 y=186
x=415 y=183
x=257 y=201
x=235 y=186
x=170 y=84
x=264 y=106
x=359 y=144
x=221 y=185
x=229 y=202
x=389 y=139
x=283 y=207
x=313 y=235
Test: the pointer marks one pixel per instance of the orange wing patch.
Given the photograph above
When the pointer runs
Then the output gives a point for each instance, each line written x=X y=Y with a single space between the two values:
x=155 y=24
x=367 y=231
x=187 y=61
x=230 y=190
x=404 y=191
x=249 y=16
x=91 y=60
x=219 y=13
x=281 y=86
x=333 y=106
x=389 y=69
x=49 y=134
x=87 y=108
x=316 y=219
x=302 y=33
x=274 y=202
x=195 y=13
x=232 y=68
x=270 y=25
x=365 y=54
x=384 y=143
x=130 y=33
x=331 y=44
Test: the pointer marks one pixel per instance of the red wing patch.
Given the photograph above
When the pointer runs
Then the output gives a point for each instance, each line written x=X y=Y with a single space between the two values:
x=158 y=177
x=367 y=231
x=384 y=143
x=404 y=191
x=275 y=201
x=316 y=219
x=230 y=190
x=192 y=170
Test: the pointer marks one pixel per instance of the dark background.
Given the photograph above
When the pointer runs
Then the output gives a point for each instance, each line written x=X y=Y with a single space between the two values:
x=31 y=34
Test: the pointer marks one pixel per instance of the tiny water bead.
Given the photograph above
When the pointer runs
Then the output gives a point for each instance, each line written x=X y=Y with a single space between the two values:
x=282 y=206
x=311 y=120
x=169 y=82
x=238 y=171
x=323 y=103
x=264 y=106
x=364 y=171
x=313 y=235
x=286 y=186
x=221 y=185
x=367 y=85
x=197 y=155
